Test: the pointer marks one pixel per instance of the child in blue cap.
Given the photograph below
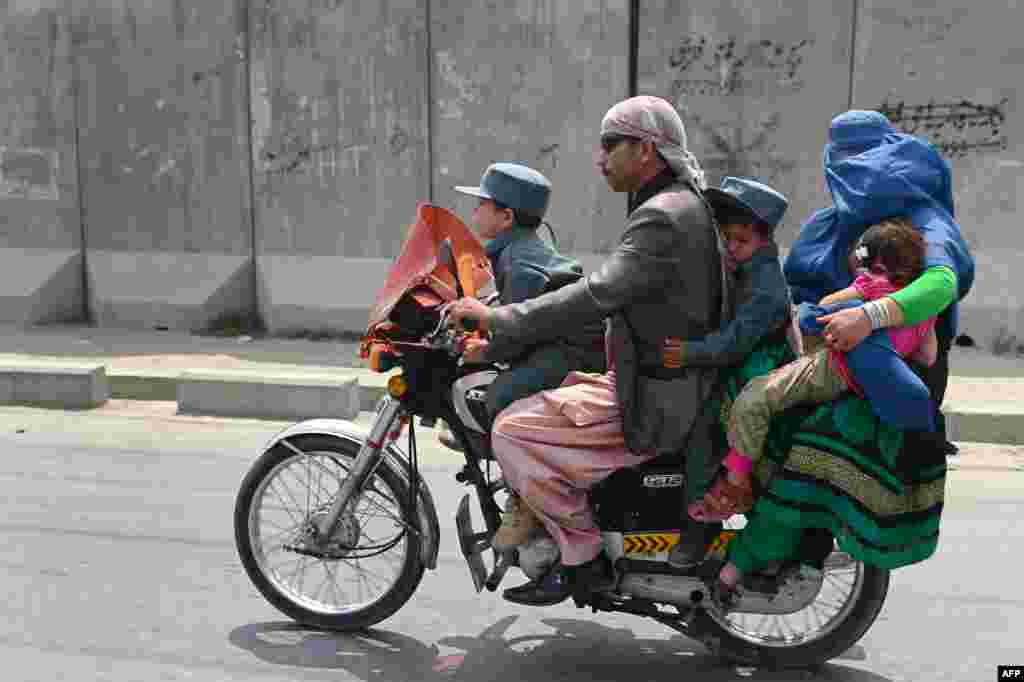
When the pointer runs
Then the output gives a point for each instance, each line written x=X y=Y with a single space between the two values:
x=747 y=212
x=513 y=199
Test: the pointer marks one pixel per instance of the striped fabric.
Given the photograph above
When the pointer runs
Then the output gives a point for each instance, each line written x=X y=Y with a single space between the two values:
x=833 y=467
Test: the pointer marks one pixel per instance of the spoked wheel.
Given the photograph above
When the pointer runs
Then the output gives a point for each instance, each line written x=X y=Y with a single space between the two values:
x=850 y=598
x=363 y=573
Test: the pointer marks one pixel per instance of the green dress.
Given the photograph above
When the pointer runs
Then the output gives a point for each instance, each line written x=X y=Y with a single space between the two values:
x=832 y=467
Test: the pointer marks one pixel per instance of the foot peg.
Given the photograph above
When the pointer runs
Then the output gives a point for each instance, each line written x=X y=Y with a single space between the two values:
x=472 y=544
x=502 y=562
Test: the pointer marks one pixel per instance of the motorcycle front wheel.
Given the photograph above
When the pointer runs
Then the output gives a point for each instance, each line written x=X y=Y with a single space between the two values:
x=370 y=566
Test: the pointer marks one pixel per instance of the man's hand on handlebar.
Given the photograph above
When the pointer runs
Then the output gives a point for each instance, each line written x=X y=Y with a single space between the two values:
x=474 y=350
x=469 y=314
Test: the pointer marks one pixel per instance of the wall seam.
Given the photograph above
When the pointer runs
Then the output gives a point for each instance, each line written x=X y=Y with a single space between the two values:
x=634 y=47
x=853 y=52
x=246 y=49
x=76 y=81
x=431 y=122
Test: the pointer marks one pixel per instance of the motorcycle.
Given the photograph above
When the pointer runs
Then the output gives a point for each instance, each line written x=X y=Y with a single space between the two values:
x=326 y=496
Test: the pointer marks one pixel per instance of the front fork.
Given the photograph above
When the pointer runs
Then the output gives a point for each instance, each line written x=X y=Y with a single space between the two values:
x=385 y=430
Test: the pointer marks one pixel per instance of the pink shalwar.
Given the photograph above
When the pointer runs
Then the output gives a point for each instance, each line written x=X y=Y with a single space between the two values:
x=554 y=446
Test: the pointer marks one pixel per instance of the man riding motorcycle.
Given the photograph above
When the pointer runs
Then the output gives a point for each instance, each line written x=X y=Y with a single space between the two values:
x=662 y=284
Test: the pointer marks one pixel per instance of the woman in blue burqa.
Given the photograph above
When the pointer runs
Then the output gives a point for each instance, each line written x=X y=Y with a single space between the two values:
x=868 y=471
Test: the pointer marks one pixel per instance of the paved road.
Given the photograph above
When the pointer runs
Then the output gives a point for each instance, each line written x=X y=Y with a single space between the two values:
x=119 y=565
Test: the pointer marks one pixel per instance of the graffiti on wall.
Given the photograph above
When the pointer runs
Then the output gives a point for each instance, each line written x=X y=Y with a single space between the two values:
x=727 y=66
x=28 y=173
x=735 y=150
x=957 y=128
x=306 y=143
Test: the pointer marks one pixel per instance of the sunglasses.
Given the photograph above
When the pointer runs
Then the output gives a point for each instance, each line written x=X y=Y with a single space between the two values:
x=610 y=141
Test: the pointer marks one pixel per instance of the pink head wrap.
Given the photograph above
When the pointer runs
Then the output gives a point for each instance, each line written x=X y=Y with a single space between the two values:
x=654 y=119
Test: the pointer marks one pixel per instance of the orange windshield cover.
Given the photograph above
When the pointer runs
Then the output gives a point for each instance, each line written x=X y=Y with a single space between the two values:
x=419 y=262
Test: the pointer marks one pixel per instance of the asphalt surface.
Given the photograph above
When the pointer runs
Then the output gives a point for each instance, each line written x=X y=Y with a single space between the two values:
x=119 y=564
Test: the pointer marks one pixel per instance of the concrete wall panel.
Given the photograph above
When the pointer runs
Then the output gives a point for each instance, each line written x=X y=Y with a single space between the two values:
x=756 y=82
x=529 y=82
x=38 y=185
x=301 y=292
x=340 y=122
x=162 y=125
x=167 y=290
x=951 y=71
x=40 y=285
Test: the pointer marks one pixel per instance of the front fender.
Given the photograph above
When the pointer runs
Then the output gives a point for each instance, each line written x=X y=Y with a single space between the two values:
x=395 y=457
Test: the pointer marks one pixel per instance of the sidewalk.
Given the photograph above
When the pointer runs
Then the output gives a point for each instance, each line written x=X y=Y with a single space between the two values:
x=256 y=377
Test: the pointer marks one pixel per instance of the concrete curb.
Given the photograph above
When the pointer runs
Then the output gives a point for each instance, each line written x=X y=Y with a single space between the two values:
x=998 y=423
x=299 y=392
x=71 y=386
x=978 y=423
x=234 y=393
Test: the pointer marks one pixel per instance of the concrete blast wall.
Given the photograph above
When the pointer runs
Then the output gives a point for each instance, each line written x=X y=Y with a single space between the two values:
x=340 y=152
x=40 y=228
x=227 y=156
x=162 y=117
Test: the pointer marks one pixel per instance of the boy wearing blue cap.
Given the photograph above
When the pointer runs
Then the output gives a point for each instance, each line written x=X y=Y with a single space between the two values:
x=747 y=213
x=513 y=199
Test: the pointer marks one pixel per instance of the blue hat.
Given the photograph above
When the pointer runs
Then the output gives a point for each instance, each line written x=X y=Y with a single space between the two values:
x=854 y=132
x=760 y=200
x=515 y=186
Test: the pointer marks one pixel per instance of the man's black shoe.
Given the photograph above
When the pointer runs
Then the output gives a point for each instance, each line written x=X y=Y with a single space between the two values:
x=553 y=588
x=694 y=538
x=562 y=581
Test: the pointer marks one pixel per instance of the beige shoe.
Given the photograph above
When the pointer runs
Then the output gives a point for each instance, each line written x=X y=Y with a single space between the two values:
x=516 y=524
x=447 y=438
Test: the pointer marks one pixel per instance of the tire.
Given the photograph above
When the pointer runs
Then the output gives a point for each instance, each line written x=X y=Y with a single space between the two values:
x=340 y=452
x=848 y=632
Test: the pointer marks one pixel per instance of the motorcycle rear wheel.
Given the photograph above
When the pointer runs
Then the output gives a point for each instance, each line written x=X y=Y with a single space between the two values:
x=781 y=644
x=270 y=527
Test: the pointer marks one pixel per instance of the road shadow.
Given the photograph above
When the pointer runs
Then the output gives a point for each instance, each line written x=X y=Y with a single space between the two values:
x=576 y=650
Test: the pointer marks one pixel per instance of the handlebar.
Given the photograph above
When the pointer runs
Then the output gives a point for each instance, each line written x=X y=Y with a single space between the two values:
x=445 y=338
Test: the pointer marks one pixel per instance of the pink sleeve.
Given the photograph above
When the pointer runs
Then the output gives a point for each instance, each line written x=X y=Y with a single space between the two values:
x=907 y=339
x=859 y=284
x=873 y=287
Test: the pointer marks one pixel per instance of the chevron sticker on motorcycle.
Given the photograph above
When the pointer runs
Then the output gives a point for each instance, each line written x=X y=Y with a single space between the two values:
x=648 y=545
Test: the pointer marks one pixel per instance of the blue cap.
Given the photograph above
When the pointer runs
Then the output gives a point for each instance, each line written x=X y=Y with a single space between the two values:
x=854 y=132
x=515 y=186
x=760 y=200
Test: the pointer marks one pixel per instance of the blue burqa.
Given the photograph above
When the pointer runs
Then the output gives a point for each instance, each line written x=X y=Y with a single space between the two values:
x=900 y=176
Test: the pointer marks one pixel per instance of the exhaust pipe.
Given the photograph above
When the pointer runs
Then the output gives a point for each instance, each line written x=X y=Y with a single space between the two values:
x=670 y=589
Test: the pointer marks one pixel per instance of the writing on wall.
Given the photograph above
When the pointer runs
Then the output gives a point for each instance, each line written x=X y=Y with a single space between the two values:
x=957 y=128
x=704 y=65
x=739 y=150
x=28 y=173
